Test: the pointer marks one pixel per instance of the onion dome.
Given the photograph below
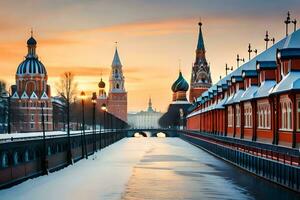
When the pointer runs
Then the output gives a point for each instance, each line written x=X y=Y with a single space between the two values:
x=101 y=84
x=31 y=65
x=180 y=84
x=31 y=41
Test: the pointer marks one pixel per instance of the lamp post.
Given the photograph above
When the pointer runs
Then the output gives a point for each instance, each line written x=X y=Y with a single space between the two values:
x=44 y=160
x=104 y=109
x=94 y=97
x=84 y=148
x=69 y=153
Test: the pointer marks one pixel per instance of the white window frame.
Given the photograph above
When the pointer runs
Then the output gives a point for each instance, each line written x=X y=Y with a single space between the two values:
x=263 y=115
x=286 y=115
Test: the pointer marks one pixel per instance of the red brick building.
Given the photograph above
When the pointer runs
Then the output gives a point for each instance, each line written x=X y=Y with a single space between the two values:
x=116 y=100
x=30 y=92
x=201 y=78
x=259 y=101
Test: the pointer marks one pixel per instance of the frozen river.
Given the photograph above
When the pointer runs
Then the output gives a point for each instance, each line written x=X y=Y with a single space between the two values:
x=148 y=168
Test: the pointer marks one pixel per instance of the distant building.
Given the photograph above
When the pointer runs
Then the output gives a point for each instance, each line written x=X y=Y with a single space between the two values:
x=116 y=100
x=145 y=119
x=201 y=77
x=177 y=110
x=29 y=93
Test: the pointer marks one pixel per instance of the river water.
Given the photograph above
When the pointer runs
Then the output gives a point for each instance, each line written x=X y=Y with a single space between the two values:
x=174 y=169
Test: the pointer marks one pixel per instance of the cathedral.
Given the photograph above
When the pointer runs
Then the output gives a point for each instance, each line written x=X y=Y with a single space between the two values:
x=201 y=78
x=31 y=94
x=116 y=100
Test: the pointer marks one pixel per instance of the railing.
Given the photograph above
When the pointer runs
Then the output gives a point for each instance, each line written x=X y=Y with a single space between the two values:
x=274 y=166
x=23 y=158
x=273 y=152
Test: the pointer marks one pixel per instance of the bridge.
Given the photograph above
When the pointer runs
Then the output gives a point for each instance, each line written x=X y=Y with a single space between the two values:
x=152 y=132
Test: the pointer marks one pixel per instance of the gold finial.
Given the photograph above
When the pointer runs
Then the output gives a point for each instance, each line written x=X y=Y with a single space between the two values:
x=116 y=43
x=31 y=32
x=179 y=65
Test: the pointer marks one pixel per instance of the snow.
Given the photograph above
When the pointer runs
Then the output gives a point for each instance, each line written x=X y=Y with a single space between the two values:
x=292 y=40
x=104 y=177
x=34 y=135
x=290 y=82
x=147 y=168
x=265 y=88
x=249 y=93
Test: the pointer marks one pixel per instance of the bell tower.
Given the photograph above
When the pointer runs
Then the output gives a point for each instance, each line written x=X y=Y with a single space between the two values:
x=200 y=78
x=117 y=95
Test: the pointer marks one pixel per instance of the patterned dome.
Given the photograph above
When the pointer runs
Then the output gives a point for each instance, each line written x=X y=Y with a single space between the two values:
x=31 y=66
x=101 y=84
x=180 y=84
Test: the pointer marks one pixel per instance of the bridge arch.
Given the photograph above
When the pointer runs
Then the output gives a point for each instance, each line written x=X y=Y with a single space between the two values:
x=153 y=132
x=140 y=134
x=161 y=134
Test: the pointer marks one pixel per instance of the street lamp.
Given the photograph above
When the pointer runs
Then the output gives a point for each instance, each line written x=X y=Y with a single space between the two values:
x=104 y=109
x=84 y=149
x=44 y=160
x=94 y=97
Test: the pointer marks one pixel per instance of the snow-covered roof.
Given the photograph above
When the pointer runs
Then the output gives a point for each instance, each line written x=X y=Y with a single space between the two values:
x=266 y=65
x=249 y=93
x=220 y=105
x=236 y=98
x=290 y=82
x=265 y=88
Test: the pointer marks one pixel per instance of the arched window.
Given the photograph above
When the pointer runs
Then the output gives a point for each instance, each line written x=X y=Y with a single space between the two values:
x=16 y=158
x=26 y=156
x=4 y=160
x=117 y=86
x=49 y=150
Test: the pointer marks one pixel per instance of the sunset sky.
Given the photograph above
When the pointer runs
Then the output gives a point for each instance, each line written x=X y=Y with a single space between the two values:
x=152 y=35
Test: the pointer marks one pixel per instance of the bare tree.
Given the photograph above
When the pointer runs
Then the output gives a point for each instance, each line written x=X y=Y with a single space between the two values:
x=67 y=89
x=2 y=87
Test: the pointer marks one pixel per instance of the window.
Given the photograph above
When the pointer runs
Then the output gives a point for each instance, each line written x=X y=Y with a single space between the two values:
x=264 y=115
x=298 y=114
x=4 y=160
x=16 y=158
x=248 y=115
x=238 y=116
x=26 y=156
x=32 y=118
x=230 y=116
x=31 y=125
x=286 y=114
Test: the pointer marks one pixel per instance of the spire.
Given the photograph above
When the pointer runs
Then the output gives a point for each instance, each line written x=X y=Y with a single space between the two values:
x=200 y=45
x=31 y=45
x=150 y=109
x=116 y=61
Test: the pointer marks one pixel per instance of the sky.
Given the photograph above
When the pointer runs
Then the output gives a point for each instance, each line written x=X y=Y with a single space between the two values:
x=155 y=38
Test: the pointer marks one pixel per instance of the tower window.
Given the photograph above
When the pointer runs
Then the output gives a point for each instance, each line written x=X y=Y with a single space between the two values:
x=117 y=86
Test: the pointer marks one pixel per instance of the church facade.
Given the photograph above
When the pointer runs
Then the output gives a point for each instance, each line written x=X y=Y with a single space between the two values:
x=31 y=94
x=116 y=99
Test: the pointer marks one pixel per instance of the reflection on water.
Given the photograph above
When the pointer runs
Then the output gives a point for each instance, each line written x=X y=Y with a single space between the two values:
x=174 y=169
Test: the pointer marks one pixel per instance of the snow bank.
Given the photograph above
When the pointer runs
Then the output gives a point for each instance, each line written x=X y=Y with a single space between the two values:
x=102 y=176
